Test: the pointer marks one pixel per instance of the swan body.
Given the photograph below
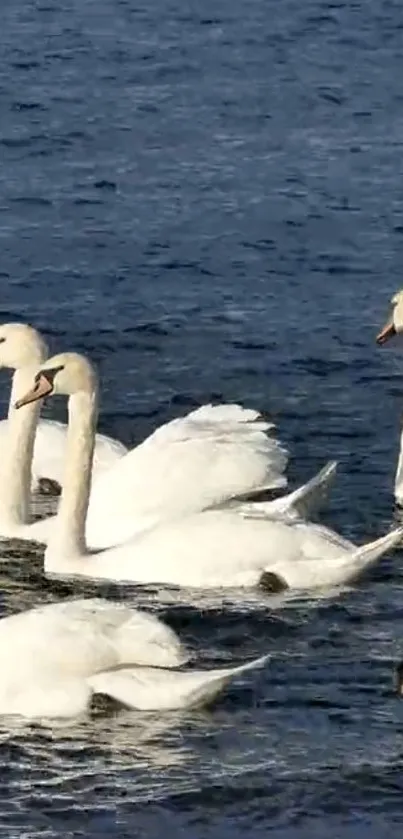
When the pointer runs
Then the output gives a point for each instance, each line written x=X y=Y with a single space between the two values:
x=204 y=459
x=392 y=328
x=205 y=549
x=220 y=549
x=22 y=347
x=56 y=657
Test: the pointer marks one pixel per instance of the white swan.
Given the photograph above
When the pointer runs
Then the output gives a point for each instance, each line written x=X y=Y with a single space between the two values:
x=208 y=549
x=206 y=457
x=393 y=327
x=68 y=652
x=22 y=349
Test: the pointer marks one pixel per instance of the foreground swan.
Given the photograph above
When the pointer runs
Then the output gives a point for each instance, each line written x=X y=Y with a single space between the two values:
x=208 y=549
x=22 y=349
x=68 y=652
x=393 y=327
x=210 y=455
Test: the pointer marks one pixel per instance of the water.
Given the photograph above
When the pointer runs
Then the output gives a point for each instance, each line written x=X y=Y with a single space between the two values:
x=206 y=198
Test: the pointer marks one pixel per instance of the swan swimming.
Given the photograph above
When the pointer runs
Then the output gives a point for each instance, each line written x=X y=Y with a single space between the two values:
x=55 y=658
x=208 y=456
x=22 y=349
x=393 y=327
x=213 y=548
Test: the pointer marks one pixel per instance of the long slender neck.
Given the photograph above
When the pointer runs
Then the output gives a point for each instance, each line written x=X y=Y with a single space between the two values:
x=17 y=454
x=399 y=473
x=68 y=536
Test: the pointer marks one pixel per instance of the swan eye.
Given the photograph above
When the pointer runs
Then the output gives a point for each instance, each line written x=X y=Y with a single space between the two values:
x=48 y=374
x=2 y=340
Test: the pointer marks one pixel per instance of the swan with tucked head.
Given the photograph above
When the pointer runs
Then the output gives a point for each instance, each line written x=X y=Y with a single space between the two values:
x=68 y=653
x=206 y=549
x=392 y=328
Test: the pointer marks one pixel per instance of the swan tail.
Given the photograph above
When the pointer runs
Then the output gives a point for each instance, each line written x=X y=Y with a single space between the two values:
x=152 y=689
x=367 y=555
x=309 y=497
x=301 y=502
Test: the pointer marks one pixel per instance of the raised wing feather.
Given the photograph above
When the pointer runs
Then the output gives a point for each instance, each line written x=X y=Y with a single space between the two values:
x=190 y=464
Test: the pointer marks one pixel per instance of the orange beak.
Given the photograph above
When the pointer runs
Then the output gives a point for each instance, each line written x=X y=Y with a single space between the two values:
x=40 y=389
x=386 y=333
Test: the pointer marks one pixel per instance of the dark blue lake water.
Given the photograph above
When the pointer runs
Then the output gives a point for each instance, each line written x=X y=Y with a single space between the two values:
x=207 y=198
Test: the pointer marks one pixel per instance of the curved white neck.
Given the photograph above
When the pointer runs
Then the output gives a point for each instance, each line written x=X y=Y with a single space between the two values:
x=17 y=456
x=68 y=535
x=399 y=474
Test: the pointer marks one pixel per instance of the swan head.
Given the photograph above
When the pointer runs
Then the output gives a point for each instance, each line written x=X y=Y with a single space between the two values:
x=394 y=324
x=66 y=374
x=21 y=346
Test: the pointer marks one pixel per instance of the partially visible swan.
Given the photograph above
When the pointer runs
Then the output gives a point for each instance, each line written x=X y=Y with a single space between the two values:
x=394 y=323
x=207 y=457
x=208 y=549
x=22 y=349
x=393 y=327
x=54 y=658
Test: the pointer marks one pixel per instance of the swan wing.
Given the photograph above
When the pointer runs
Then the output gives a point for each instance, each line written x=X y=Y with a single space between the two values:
x=50 y=449
x=187 y=465
x=150 y=689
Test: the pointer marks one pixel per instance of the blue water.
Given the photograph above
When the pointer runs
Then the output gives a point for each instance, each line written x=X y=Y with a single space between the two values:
x=207 y=198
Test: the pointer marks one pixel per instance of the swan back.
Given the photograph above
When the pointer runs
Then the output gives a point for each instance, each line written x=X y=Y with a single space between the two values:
x=84 y=636
x=21 y=346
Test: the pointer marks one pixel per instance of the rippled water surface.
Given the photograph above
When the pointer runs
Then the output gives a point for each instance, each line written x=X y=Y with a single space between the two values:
x=207 y=198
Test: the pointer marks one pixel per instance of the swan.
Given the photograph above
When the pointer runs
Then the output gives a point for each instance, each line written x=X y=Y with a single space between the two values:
x=393 y=327
x=69 y=652
x=212 y=548
x=22 y=348
x=208 y=456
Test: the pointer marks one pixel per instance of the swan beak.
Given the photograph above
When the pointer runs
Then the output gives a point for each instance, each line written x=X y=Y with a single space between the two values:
x=386 y=333
x=40 y=389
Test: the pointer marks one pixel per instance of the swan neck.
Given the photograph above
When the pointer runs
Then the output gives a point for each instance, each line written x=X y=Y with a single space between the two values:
x=16 y=467
x=68 y=537
x=399 y=473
